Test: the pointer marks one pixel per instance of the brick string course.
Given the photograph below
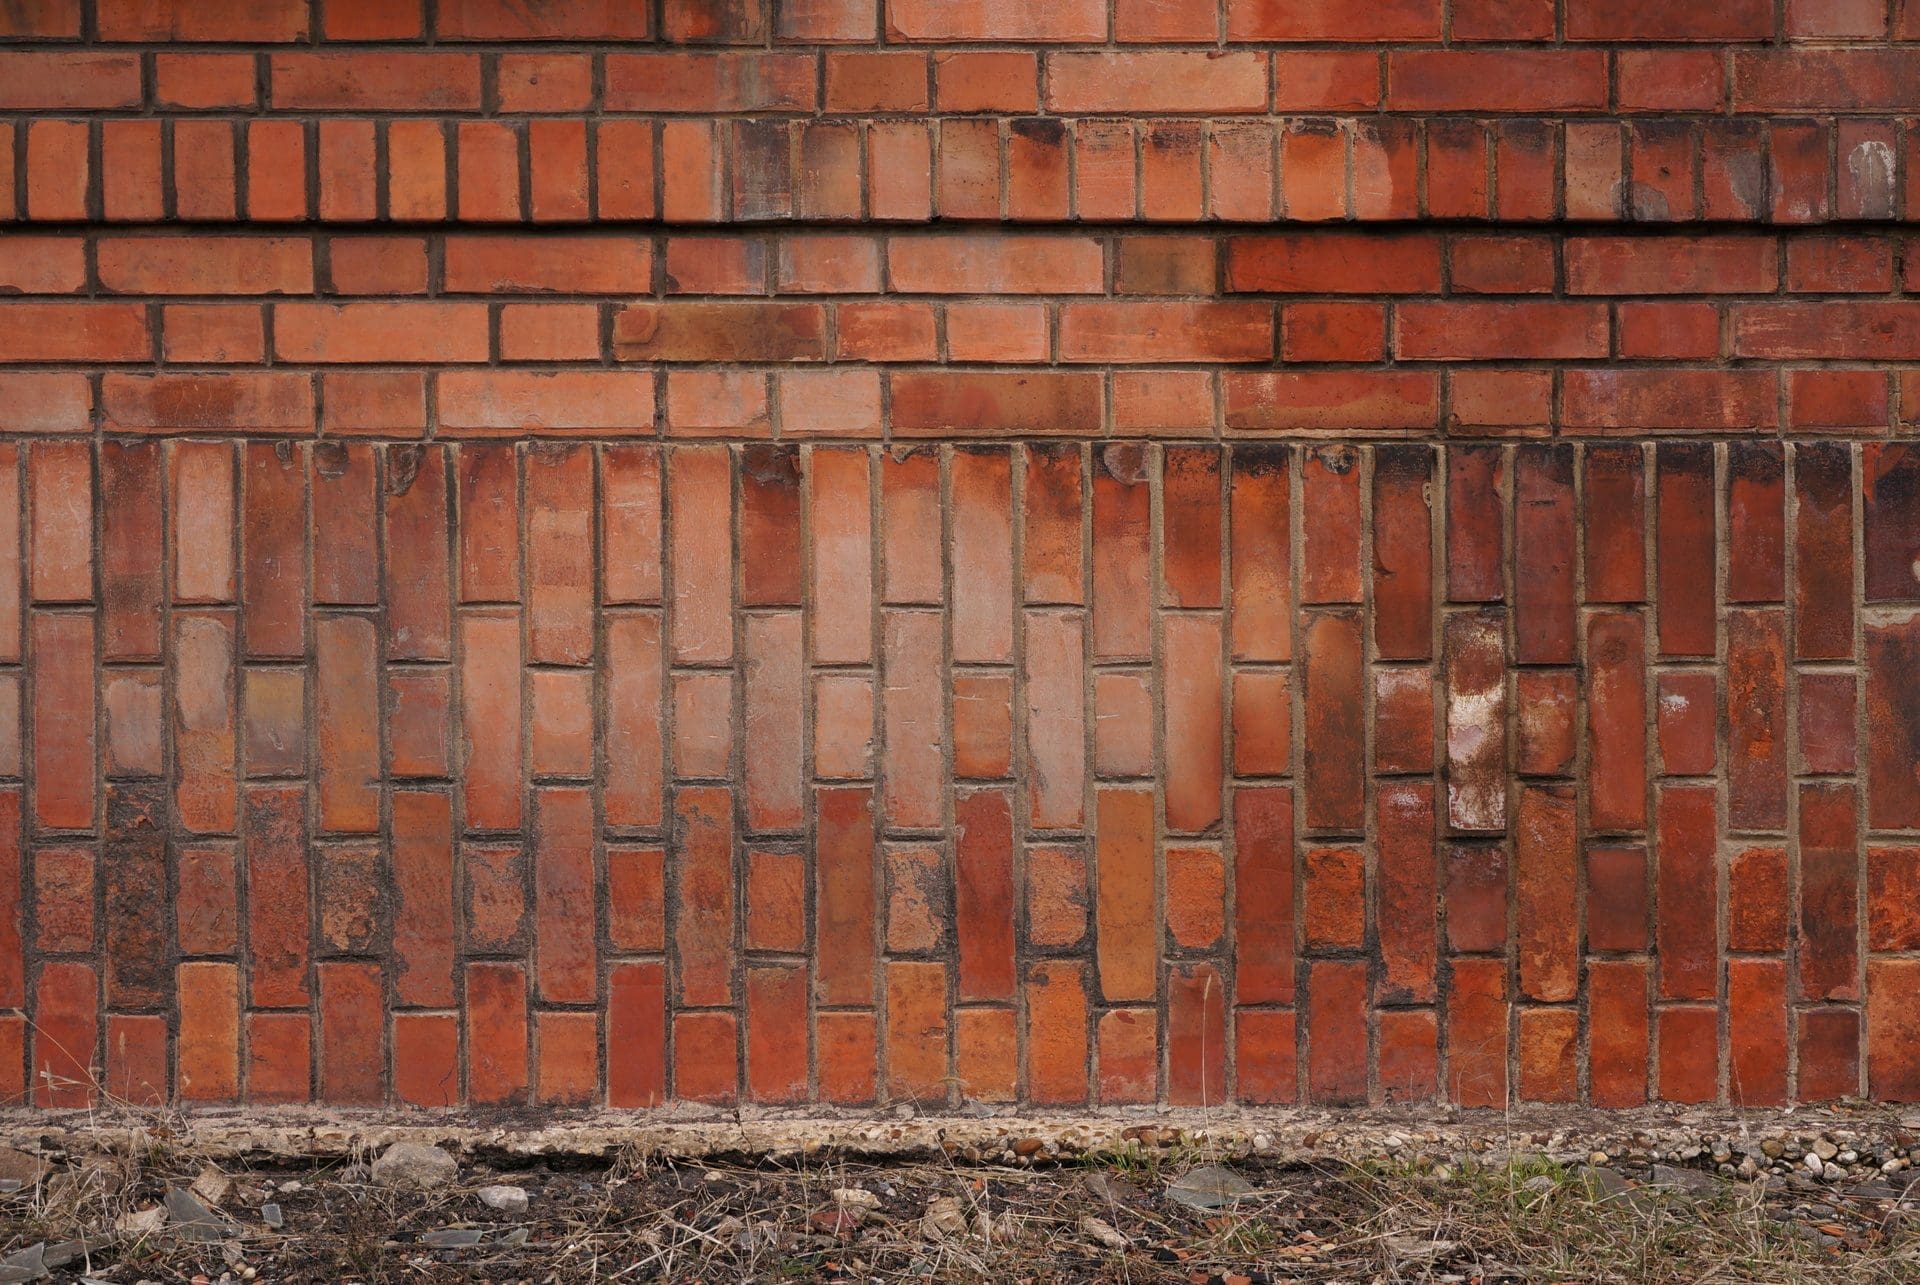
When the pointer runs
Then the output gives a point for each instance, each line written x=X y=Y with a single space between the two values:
x=569 y=553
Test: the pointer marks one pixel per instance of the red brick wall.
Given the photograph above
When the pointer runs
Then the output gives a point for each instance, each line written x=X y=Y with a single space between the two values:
x=576 y=552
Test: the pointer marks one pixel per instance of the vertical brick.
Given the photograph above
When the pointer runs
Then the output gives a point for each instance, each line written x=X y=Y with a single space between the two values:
x=1543 y=553
x=1259 y=495
x=352 y=1033
x=1057 y=1054
x=982 y=515
x=700 y=554
x=280 y=1058
x=1756 y=522
x=841 y=536
x=1618 y=1032
x=843 y=895
x=1829 y=894
x=1757 y=720
x=204 y=743
x=1685 y=880
x=1614 y=511
x=1330 y=496
x=273 y=540
x=60 y=531
x=347 y=720
x=1335 y=764
x=1191 y=649
x=1263 y=902
x=703 y=926
x=1616 y=722
x=64 y=760
x=1337 y=1021
x=559 y=491
x=1685 y=561
x=1407 y=898
x=917 y=1032
x=629 y=524
x=1124 y=906
x=345 y=568
x=774 y=696
x=131 y=547
x=419 y=620
x=1122 y=557
x=983 y=895
x=66 y=1035
x=1756 y=1032
x=1476 y=537
x=914 y=713
x=422 y=874
x=1476 y=722
x=278 y=916
x=1055 y=720
x=777 y=1033
x=632 y=780
x=1823 y=551
x=208 y=1066
x=490 y=755
x=1196 y=1035
x=1545 y=876
x=1477 y=1021
x=496 y=1019
x=1402 y=552
x=636 y=1035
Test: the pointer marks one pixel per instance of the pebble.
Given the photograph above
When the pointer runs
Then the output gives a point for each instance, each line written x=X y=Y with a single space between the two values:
x=413 y=1164
x=504 y=1199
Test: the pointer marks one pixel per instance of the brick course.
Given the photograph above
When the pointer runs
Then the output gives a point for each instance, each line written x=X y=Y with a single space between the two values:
x=1077 y=552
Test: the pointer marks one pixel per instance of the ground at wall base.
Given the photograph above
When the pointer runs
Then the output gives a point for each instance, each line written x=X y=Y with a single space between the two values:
x=1197 y=1196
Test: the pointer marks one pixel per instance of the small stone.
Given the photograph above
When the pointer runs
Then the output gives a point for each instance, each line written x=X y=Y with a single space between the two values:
x=1102 y=1233
x=142 y=1222
x=412 y=1164
x=211 y=1186
x=504 y=1199
x=1028 y=1147
x=1825 y=1149
x=1772 y=1148
x=452 y=1238
x=1208 y=1187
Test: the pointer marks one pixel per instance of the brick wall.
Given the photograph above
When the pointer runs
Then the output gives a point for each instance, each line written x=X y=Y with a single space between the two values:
x=579 y=552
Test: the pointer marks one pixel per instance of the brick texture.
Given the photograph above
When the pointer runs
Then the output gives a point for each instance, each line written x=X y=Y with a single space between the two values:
x=592 y=555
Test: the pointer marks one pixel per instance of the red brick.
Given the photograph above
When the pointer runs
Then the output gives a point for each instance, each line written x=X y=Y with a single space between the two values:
x=278 y=915
x=1684 y=567
x=1756 y=532
x=1406 y=892
x=1337 y=1045
x=1303 y=20
x=280 y=1057
x=65 y=1035
x=61 y=652
x=1192 y=732
x=426 y=1059
x=636 y=1035
x=1335 y=759
x=1892 y=725
x=1829 y=893
x=1828 y=1054
x=1477 y=482
x=1260 y=552
x=1756 y=1032
x=1476 y=718
x=1617 y=1041
x=1828 y=722
x=1823 y=551
x=777 y=1034
x=1617 y=899
x=496 y=1022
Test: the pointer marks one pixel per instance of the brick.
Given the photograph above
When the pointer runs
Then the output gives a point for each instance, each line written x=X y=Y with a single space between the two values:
x=1822 y=593
x=1617 y=899
x=1477 y=489
x=61 y=652
x=496 y=1022
x=914 y=720
x=1828 y=1054
x=1407 y=896
x=1616 y=721
x=1335 y=761
x=1337 y=1053
x=1829 y=893
x=917 y=1030
x=1756 y=1032
x=1617 y=1042
x=66 y=1035
x=1476 y=718
x=280 y=1057
x=982 y=553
